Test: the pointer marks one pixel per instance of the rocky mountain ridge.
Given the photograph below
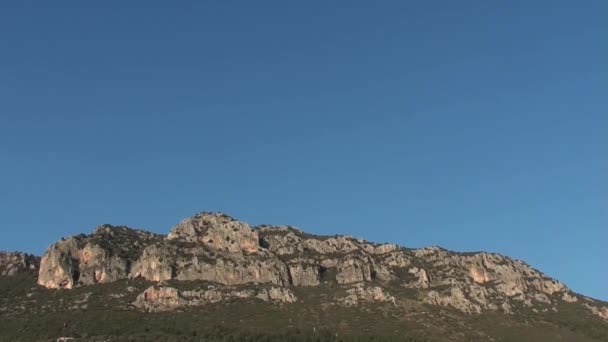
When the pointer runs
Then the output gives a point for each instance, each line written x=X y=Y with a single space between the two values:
x=224 y=257
x=12 y=263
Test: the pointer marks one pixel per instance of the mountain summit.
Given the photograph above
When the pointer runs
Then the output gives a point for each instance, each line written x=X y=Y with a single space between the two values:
x=213 y=261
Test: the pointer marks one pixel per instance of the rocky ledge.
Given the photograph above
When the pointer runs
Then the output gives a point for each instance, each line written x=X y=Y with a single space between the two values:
x=167 y=298
x=12 y=263
x=214 y=248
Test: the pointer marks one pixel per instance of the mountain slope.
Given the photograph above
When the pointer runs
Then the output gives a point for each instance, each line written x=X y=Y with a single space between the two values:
x=214 y=271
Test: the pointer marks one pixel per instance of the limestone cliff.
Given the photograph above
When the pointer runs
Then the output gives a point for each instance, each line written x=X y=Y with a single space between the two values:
x=104 y=256
x=213 y=248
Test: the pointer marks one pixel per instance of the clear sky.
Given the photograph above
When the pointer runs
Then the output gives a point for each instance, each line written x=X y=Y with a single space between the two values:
x=474 y=125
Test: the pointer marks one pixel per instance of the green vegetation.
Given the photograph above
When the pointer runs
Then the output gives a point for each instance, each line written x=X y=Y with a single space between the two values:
x=104 y=313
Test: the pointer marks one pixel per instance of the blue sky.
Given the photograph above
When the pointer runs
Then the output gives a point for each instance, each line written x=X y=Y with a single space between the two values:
x=474 y=125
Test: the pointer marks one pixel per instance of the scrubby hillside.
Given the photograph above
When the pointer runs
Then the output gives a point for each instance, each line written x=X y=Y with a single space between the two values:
x=218 y=277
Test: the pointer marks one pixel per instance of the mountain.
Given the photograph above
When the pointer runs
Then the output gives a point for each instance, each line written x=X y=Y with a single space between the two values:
x=213 y=278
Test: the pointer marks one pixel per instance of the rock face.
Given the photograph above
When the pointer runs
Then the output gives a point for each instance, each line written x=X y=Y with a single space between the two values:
x=12 y=263
x=166 y=298
x=473 y=282
x=213 y=248
x=219 y=232
x=601 y=312
x=102 y=257
x=361 y=294
x=303 y=274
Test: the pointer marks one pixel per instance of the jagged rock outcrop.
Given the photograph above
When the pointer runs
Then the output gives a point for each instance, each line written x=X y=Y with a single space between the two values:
x=215 y=248
x=366 y=294
x=485 y=281
x=165 y=261
x=102 y=257
x=218 y=231
x=354 y=270
x=601 y=312
x=156 y=263
x=167 y=298
x=455 y=298
x=12 y=263
x=281 y=240
x=57 y=269
x=303 y=274
x=422 y=279
x=192 y=251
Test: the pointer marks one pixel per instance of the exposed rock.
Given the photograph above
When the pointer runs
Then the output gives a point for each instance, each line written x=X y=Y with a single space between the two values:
x=233 y=271
x=354 y=270
x=504 y=280
x=166 y=298
x=541 y=298
x=65 y=339
x=379 y=249
x=281 y=240
x=218 y=249
x=12 y=263
x=396 y=259
x=166 y=261
x=218 y=231
x=382 y=273
x=454 y=298
x=422 y=279
x=161 y=298
x=98 y=265
x=101 y=257
x=567 y=297
x=360 y=293
x=156 y=263
x=304 y=275
x=480 y=275
x=276 y=294
x=331 y=245
x=58 y=266
x=435 y=251
x=601 y=312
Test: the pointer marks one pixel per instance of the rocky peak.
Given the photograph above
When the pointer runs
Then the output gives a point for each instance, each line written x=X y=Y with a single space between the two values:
x=218 y=231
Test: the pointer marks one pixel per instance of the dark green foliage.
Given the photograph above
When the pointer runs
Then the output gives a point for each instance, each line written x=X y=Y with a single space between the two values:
x=104 y=313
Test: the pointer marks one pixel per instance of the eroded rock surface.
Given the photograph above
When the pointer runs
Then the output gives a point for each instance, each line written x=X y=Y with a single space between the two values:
x=104 y=256
x=167 y=298
x=601 y=312
x=366 y=294
x=12 y=263
x=218 y=231
x=217 y=249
